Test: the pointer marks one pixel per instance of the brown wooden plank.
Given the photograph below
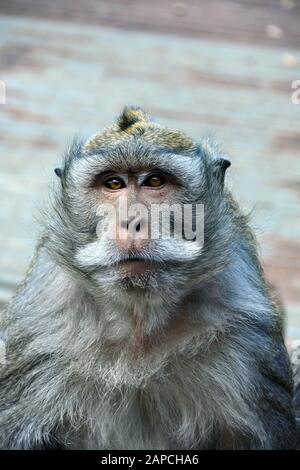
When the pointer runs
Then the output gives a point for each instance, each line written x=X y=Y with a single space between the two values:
x=270 y=22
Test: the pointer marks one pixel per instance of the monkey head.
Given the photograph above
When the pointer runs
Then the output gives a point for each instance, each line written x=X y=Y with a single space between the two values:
x=142 y=208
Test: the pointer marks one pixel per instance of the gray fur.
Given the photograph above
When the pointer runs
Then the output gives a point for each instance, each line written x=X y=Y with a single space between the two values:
x=190 y=356
x=296 y=370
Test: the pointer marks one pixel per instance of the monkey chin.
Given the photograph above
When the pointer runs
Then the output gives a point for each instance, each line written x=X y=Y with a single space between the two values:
x=138 y=275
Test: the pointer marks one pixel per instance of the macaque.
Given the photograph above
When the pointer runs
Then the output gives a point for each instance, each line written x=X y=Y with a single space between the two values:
x=119 y=338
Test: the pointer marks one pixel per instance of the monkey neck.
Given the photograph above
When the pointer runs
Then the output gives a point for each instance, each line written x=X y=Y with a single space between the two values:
x=144 y=325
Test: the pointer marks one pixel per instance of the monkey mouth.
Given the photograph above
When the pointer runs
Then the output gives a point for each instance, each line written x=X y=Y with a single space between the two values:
x=136 y=263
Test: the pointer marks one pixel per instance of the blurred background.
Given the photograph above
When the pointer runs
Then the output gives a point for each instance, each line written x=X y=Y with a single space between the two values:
x=220 y=67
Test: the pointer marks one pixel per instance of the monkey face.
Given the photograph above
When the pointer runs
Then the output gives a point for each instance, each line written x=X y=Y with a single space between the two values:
x=141 y=212
x=138 y=208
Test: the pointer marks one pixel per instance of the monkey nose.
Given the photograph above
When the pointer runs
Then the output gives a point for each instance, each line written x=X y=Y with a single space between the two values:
x=132 y=234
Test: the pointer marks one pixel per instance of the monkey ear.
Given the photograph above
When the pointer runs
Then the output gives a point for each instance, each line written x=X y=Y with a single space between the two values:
x=58 y=172
x=219 y=168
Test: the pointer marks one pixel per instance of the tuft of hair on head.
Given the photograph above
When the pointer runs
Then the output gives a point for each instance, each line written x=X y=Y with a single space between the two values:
x=132 y=123
x=132 y=115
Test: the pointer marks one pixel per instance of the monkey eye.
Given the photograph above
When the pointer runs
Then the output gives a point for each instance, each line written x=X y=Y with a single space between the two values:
x=114 y=184
x=154 y=181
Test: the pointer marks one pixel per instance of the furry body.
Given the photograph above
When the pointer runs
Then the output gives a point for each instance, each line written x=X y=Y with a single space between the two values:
x=188 y=356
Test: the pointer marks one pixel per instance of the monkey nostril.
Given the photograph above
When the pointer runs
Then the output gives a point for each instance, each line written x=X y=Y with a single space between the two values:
x=132 y=226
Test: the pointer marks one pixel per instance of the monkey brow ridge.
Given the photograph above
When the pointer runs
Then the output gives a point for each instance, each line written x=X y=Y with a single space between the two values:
x=134 y=122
